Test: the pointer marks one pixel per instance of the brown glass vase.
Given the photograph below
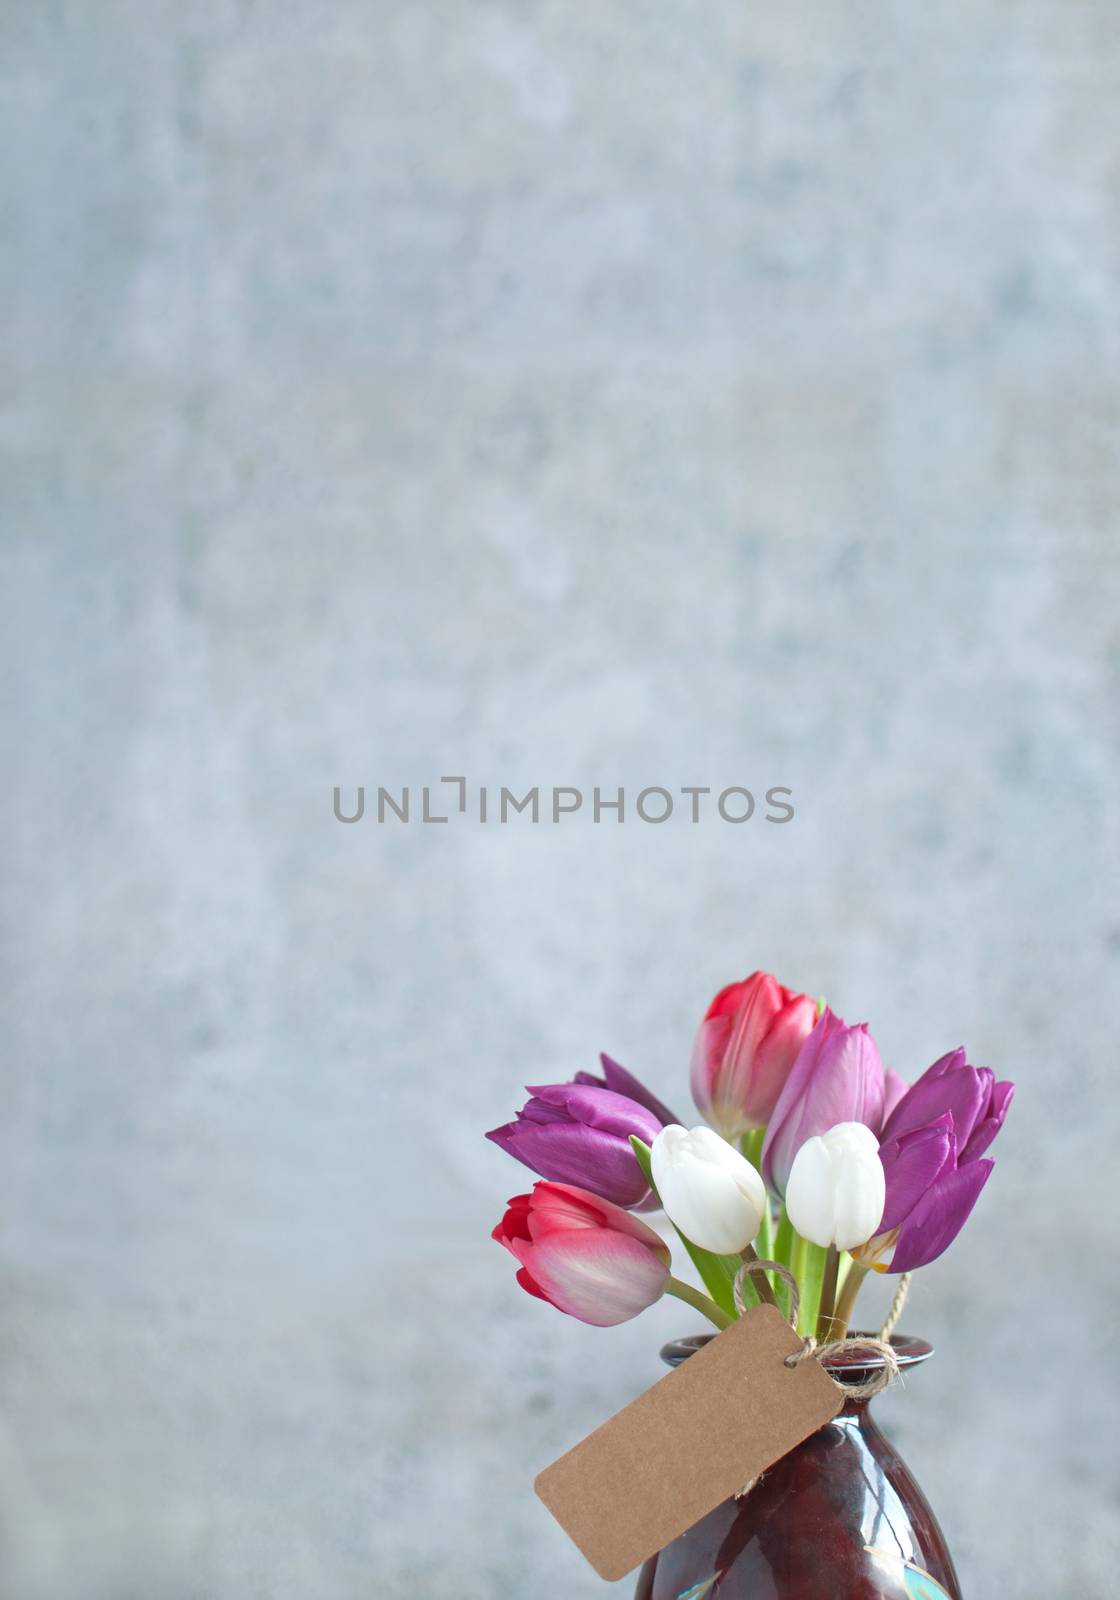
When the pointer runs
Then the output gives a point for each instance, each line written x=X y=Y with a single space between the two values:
x=839 y=1518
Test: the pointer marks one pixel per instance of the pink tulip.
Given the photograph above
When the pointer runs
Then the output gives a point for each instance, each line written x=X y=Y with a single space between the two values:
x=837 y=1077
x=746 y=1045
x=894 y=1087
x=587 y=1257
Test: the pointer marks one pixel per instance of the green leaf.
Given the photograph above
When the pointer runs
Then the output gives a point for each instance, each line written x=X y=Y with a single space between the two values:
x=717 y=1273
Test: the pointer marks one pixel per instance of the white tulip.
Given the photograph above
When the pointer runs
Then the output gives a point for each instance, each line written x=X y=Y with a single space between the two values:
x=836 y=1189
x=710 y=1192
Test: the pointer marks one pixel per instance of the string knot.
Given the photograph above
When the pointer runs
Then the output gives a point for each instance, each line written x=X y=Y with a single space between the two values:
x=808 y=1348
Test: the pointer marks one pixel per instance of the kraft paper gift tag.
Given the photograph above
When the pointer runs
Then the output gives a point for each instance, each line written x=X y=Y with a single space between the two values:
x=682 y=1448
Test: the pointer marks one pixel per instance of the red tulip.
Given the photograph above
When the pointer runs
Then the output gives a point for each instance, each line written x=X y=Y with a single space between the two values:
x=746 y=1045
x=585 y=1255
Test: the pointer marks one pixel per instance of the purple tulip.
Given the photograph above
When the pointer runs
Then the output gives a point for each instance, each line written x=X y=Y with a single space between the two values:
x=971 y=1096
x=617 y=1078
x=932 y=1149
x=837 y=1077
x=578 y=1133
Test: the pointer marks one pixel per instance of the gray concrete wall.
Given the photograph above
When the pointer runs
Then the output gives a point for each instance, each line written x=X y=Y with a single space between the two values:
x=558 y=393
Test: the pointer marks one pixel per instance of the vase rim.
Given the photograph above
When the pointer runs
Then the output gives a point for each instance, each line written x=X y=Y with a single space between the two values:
x=909 y=1351
x=848 y=1365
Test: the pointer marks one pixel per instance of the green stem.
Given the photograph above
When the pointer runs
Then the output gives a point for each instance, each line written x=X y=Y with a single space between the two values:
x=761 y=1280
x=698 y=1301
x=808 y=1269
x=751 y=1146
x=828 y=1295
x=797 y=1258
x=764 y=1244
x=845 y=1303
x=783 y=1251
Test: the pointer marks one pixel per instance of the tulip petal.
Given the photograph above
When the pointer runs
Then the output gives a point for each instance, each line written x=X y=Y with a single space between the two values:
x=986 y=1130
x=709 y=1208
x=777 y=1050
x=911 y=1164
x=809 y=1193
x=587 y=1257
x=955 y=1088
x=580 y=1134
x=586 y=1157
x=525 y=1279
x=601 y=1277
x=707 y=1075
x=836 y=1188
x=711 y=1194
x=951 y=1061
x=515 y=1223
x=858 y=1203
x=554 y=1206
x=543 y=1112
x=939 y=1216
x=894 y=1087
x=729 y=998
x=616 y=1078
x=1002 y=1095
x=744 y=1050
x=598 y=1108
x=503 y=1136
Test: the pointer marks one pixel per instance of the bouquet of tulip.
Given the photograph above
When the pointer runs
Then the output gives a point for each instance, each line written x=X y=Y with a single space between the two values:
x=812 y=1154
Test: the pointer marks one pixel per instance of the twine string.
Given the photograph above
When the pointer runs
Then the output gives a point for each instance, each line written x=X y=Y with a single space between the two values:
x=891 y=1322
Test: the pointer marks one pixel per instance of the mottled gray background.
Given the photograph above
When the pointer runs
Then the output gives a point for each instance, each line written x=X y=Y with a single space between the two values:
x=545 y=392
